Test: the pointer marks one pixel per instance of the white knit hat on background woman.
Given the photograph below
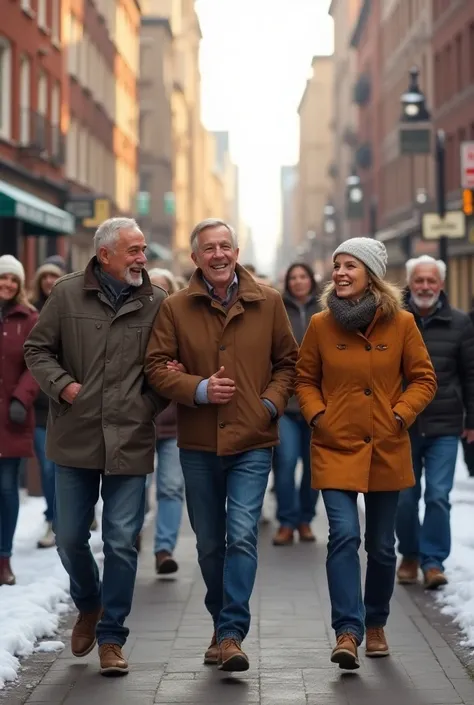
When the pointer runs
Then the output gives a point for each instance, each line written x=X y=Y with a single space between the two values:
x=10 y=265
x=370 y=252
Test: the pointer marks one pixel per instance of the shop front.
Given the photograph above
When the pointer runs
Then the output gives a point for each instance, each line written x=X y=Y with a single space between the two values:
x=31 y=228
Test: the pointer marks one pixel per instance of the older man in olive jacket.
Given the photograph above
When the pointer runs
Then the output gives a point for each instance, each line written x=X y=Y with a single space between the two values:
x=87 y=353
x=233 y=338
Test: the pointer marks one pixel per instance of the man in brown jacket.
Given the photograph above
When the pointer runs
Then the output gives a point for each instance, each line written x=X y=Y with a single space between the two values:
x=87 y=353
x=237 y=359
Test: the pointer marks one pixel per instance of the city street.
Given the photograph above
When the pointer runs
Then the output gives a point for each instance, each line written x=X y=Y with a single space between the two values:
x=288 y=645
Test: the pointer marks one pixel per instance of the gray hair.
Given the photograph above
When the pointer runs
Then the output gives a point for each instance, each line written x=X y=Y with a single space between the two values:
x=157 y=272
x=108 y=232
x=211 y=223
x=412 y=264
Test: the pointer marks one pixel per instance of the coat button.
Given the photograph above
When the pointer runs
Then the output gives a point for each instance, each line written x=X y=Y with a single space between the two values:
x=368 y=347
x=98 y=325
x=367 y=439
x=367 y=392
x=222 y=425
x=222 y=347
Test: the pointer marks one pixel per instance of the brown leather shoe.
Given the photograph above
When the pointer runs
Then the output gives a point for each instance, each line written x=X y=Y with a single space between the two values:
x=434 y=579
x=112 y=660
x=83 y=637
x=165 y=564
x=284 y=536
x=6 y=574
x=345 y=652
x=231 y=656
x=306 y=533
x=211 y=657
x=376 y=643
x=407 y=572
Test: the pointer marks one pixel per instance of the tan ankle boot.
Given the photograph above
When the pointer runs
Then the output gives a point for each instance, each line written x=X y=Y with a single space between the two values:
x=345 y=652
x=112 y=660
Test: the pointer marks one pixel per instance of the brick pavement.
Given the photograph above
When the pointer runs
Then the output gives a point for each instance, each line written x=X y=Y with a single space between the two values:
x=288 y=646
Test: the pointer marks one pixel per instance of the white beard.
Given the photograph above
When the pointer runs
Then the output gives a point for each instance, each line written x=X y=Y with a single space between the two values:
x=425 y=303
x=133 y=279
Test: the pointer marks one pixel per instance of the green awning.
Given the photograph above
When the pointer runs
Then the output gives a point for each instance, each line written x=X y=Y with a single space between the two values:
x=16 y=203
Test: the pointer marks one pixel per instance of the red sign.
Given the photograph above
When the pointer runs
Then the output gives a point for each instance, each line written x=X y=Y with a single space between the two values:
x=467 y=165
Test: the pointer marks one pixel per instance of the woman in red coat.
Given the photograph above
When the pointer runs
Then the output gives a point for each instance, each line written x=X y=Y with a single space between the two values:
x=18 y=391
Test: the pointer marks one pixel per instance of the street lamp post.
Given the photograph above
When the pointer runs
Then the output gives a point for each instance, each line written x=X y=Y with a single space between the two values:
x=415 y=138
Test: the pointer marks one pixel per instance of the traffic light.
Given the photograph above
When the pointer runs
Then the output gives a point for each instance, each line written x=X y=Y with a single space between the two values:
x=467 y=201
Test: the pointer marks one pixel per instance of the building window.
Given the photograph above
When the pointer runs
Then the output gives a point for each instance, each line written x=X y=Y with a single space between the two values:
x=71 y=152
x=471 y=52
x=56 y=21
x=24 y=100
x=56 y=146
x=5 y=88
x=42 y=18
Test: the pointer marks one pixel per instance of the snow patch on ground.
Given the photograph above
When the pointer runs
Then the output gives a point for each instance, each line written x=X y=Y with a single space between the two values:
x=31 y=610
x=457 y=598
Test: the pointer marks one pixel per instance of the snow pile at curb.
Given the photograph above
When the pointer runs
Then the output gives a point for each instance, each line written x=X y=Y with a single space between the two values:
x=31 y=610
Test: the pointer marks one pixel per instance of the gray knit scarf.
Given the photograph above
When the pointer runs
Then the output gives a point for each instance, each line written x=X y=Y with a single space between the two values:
x=353 y=315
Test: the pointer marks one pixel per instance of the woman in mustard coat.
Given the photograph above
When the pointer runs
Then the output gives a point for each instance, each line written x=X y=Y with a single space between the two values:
x=363 y=375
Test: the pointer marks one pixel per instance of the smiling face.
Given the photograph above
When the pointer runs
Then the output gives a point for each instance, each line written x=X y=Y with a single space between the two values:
x=126 y=259
x=216 y=256
x=300 y=283
x=47 y=282
x=350 y=277
x=9 y=287
x=425 y=286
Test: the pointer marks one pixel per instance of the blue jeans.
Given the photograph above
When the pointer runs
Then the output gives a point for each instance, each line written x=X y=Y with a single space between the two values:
x=47 y=468
x=429 y=543
x=228 y=566
x=169 y=495
x=9 y=503
x=77 y=492
x=294 y=507
x=350 y=612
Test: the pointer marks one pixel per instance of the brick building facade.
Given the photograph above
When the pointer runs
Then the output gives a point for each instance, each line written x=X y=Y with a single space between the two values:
x=33 y=91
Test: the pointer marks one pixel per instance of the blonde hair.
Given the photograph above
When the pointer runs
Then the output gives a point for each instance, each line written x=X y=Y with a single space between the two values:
x=21 y=296
x=156 y=273
x=388 y=297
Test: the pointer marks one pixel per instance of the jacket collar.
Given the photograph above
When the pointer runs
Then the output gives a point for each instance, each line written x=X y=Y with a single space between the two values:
x=249 y=289
x=16 y=310
x=91 y=282
x=290 y=301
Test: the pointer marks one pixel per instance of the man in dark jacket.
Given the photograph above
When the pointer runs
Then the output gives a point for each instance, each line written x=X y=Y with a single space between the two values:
x=449 y=337
x=87 y=353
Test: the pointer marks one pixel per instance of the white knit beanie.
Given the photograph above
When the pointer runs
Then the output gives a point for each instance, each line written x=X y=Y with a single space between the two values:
x=10 y=265
x=369 y=251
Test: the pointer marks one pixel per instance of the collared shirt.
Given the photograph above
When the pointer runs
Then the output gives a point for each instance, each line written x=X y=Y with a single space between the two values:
x=231 y=289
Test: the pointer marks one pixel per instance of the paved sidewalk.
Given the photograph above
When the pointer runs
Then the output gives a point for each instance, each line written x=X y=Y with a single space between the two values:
x=288 y=646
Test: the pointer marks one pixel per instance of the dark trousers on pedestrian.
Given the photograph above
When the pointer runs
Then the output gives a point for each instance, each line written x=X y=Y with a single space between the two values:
x=295 y=506
x=468 y=456
x=9 y=503
x=48 y=471
x=352 y=611
x=224 y=497
x=430 y=541
x=77 y=492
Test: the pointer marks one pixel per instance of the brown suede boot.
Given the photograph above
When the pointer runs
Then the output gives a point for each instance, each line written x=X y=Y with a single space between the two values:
x=284 y=536
x=112 y=660
x=434 y=579
x=407 y=572
x=165 y=564
x=6 y=574
x=231 y=656
x=345 y=652
x=306 y=534
x=83 y=637
x=211 y=657
x=376 y=642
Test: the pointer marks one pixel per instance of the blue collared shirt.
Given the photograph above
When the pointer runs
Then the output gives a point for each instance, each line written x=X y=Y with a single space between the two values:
x=231 y=289
x=200 y=396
